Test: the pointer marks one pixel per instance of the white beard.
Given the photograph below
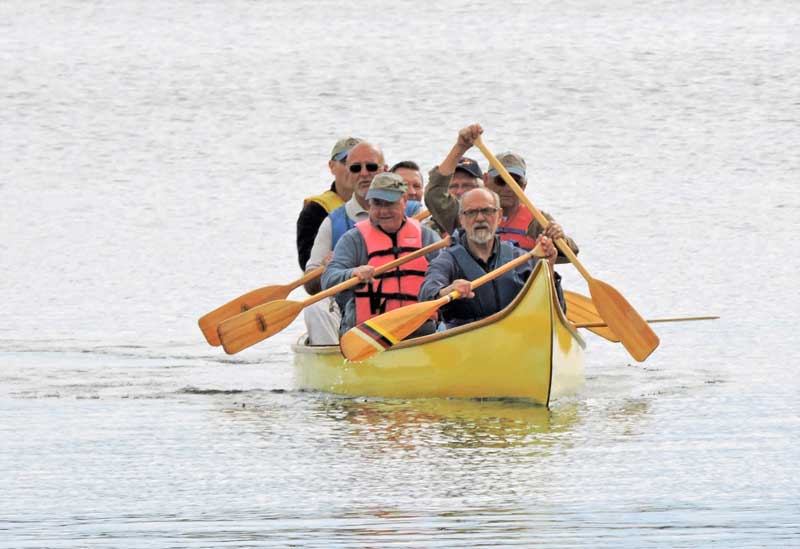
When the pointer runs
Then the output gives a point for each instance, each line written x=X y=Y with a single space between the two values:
x=481 y=235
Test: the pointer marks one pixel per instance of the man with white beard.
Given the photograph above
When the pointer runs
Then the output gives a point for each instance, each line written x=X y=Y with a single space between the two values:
x=477 y=252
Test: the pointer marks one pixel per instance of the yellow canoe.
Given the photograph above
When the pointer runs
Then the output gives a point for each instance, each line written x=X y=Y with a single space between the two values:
x=529 y=350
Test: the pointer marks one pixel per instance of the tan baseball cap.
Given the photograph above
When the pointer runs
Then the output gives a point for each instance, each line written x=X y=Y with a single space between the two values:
x=387 y=186
x=512 y=162
x=343 y=146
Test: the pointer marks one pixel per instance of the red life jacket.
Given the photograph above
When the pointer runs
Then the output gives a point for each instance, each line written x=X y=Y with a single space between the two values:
x=395 y=288
x=514 y=230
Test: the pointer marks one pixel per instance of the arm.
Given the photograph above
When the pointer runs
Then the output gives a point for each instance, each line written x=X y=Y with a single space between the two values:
x=441 y=272
x=308 y=222
x=443 y=207
x=319 y=255
x=350 y=252
x=554 y=231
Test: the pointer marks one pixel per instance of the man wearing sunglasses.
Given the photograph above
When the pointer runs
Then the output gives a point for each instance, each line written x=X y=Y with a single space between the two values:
x=362 y=162
x=316 y=208
x=477 y=251
x=385 y=236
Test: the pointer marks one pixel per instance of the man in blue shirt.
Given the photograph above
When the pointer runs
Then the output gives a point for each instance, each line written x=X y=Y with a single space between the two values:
x=476 y=252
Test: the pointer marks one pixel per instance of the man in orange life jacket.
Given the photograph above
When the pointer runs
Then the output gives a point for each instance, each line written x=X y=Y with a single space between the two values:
x=518 y=227
x=477 y=251
x=316 y=208
x=385 y=236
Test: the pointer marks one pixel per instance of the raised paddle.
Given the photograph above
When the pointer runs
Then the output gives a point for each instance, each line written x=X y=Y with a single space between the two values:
x=633 y=331
x=209 y=322
x=383 y=331
x=263 y=321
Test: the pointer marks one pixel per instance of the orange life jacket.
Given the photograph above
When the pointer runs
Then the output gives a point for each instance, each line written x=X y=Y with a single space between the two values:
x=514 y=229
x=395 y=288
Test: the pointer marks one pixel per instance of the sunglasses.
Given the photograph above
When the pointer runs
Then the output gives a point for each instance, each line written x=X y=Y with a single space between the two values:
x=473 y=213
x=370 y=166
x=500 y=182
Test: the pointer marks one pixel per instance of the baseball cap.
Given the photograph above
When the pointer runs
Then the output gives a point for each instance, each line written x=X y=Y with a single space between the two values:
x=387 y=186
x=512 y=162
x=470 y=166
x=343 y=146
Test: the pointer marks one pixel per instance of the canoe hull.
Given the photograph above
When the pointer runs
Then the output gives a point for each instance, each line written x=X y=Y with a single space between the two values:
x=527 y=351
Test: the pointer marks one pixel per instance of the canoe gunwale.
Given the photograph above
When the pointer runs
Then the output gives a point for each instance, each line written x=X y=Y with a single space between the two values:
x=301 y=347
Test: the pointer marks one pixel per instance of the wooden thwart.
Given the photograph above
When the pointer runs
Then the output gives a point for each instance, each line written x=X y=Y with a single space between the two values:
x=633 y=331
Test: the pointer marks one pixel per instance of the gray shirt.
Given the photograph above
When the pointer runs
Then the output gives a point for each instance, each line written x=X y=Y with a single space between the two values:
x=351 y=252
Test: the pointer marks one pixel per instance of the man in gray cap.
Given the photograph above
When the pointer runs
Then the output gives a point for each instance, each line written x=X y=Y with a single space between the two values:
x=385 y=236
x=518 y=225
x=316 y=208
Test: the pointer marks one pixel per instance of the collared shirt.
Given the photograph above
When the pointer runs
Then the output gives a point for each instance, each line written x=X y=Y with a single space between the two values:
x=323 y=243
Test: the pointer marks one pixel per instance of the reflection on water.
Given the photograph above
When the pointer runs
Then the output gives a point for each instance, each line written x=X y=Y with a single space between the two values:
x=457 y=423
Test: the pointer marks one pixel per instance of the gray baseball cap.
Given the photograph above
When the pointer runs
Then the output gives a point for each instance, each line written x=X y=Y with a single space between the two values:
x=387 y=186
x=343 y=146
x=512 y=162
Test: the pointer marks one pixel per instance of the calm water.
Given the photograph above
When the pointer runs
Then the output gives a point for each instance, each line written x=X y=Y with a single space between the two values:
x=152 y=163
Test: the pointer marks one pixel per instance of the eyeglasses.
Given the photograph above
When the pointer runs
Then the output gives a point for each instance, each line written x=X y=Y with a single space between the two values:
x=473 y=213
x=370 y=166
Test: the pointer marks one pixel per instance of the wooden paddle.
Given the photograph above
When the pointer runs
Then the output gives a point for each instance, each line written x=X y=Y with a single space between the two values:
x=582 y=313
x=263 y=321
x=383 y=331
x=591 y=325
x=636 y=335
x=210 y=321
x=581 y=310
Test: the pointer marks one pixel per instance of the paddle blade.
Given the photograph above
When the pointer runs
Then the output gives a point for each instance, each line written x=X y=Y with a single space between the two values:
x=381 y=332
x=581 y=310
x=257 y=324
x=633 y=331
x=210 y=321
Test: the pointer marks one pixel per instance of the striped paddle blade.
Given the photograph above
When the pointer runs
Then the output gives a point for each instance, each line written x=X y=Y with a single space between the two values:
x=381 y=332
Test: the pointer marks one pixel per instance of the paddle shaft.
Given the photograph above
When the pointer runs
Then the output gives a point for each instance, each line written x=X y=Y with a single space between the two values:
x=651 y=320
x=491 y=275
x=539 y=216
x=355 y=281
